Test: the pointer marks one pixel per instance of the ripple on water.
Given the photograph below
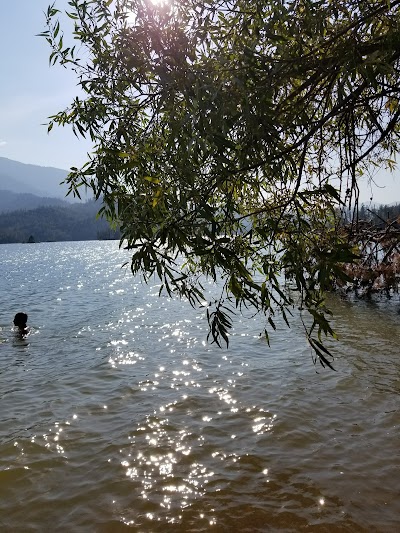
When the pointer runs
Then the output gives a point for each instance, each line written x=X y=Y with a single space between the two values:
x=117 y=415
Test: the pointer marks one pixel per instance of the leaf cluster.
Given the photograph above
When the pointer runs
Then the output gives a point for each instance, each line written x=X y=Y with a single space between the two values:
x=232 y=134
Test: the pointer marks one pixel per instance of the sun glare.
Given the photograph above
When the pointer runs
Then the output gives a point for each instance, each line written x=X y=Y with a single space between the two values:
x=155 y=3
x=159 y=2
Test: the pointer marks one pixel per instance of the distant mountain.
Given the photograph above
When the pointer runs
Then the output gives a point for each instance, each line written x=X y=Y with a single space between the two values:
x=74 y=222
x=12 y=201
x=33 y=207
x=33 y=179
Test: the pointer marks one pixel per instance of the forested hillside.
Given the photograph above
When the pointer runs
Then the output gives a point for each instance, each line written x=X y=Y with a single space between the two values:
x=12 y=201
x=76 y=222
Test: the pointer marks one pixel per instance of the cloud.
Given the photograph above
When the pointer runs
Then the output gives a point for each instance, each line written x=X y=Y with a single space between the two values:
x=2 y=143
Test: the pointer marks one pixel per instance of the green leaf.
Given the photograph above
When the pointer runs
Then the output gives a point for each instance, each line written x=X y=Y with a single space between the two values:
x=229 y=140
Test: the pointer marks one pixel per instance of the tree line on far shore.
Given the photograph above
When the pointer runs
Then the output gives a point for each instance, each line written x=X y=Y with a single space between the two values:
x=375 y=238
x=76 y=222
x=379 y=214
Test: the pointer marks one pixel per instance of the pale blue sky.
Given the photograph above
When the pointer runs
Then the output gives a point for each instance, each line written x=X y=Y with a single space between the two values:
x=30 y=91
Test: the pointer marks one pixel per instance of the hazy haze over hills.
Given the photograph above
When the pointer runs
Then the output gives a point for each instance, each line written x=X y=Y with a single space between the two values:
x=41 y=181
x=33 y=205
x=13 y=201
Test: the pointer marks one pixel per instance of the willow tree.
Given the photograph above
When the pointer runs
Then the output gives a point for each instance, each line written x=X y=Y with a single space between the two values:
x=229 y=135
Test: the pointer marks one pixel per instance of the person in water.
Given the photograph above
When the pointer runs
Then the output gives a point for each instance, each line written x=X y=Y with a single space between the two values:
x=20 y=321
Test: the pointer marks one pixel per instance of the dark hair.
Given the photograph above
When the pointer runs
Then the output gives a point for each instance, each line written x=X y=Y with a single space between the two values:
x=20 y=320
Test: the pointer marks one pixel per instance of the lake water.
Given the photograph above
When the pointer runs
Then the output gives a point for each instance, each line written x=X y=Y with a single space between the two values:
x=116 y=415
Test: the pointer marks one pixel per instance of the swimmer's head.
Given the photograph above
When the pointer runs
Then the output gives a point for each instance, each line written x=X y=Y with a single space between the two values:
x=20 y=320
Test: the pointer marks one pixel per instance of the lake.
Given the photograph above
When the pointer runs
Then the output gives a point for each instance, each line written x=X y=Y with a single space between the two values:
x=117 y=415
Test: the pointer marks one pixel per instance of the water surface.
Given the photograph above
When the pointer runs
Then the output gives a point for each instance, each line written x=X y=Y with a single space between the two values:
x=116 y=415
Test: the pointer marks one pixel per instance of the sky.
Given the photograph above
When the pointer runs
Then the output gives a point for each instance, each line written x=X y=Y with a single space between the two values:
x=31 y=91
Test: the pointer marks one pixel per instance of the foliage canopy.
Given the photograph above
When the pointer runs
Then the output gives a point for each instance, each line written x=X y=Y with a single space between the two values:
x=231 y=134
